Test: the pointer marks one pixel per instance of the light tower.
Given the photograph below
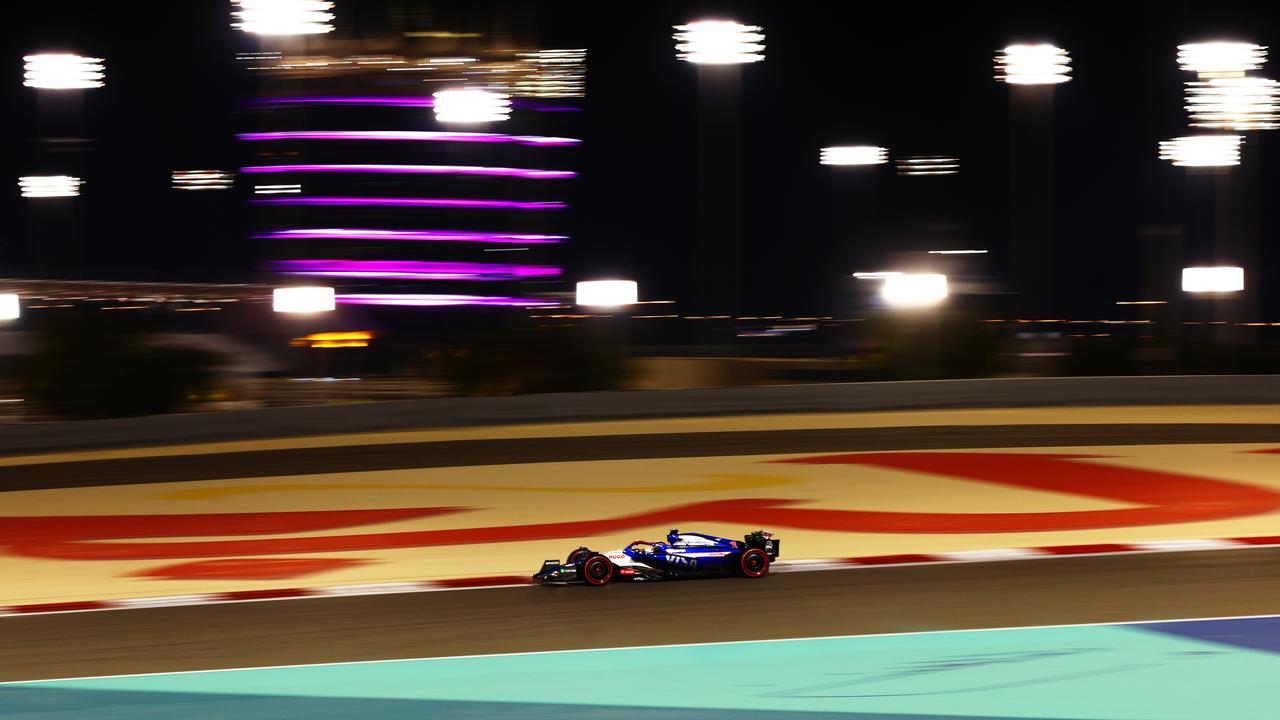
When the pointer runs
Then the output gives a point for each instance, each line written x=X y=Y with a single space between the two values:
x=1226 y=97
x=1032 y=73
x=60 y=80
x=719 y=48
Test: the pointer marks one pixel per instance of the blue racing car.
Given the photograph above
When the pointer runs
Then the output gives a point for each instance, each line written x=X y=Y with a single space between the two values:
x=683 y=555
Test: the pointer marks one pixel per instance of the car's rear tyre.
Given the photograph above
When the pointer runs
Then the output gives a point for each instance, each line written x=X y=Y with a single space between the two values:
x=577 y=555
x=754 y=563
x=598 y=570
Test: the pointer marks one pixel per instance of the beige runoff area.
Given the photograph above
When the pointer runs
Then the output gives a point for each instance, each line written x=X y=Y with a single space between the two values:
x=1234 y=414
x=585 y=490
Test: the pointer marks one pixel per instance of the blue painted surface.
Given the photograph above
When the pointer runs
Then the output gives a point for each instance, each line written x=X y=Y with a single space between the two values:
x=1199 y=670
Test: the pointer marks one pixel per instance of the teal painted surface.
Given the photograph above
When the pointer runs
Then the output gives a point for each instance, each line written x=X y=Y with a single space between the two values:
x=1081 y=673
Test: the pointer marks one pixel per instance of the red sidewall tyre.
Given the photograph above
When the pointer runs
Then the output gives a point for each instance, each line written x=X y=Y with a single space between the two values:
x=573 y=556
x=754 y=563
x=597 y=570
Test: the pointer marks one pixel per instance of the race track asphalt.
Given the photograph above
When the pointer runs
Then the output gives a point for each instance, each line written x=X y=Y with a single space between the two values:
x=498 y=620
x=803 y=604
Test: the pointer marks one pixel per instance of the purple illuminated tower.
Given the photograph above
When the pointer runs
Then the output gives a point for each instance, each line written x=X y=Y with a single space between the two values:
x=360 y=179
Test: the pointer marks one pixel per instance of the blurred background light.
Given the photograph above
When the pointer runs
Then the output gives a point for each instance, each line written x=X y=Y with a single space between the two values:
x=471 y=203
x=914 y=289
x=1033 y=65
x=413 y=270
x=853 y=155
x=1202 y=150
x=412 y=135
x=426 y=235
x=201 y=180
x=283 y=17
x=439 y=300
x=607 y=293
x=877 y=275
x=1212 y=279
x=63 y=71
x=47 y=186
x=531 y=173
x=928 y=165
x=1219 y=59
x=957 y=252
x=303 y=299
x=1234 y=103
x=358 y=338
x=10 y=307
x=471 y=105
x=719 y=42
x=276 y=189
x=554 y=73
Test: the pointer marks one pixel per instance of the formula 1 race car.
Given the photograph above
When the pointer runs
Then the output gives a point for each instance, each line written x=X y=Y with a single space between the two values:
x=683 y=555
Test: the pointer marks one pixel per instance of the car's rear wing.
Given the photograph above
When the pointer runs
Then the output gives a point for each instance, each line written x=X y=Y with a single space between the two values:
x=765 y=541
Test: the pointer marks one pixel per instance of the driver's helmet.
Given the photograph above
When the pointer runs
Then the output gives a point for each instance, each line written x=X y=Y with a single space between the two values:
x=673 y=536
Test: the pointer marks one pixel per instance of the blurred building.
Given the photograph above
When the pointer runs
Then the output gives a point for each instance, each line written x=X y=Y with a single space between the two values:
x=360 y=180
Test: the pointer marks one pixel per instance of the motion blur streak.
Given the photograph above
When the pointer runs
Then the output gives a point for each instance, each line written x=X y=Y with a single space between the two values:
x=283 y=17
x=471 y=106
x=415 y=135
x=1210 y=59
x=393 y=101
x=439 y=300
x=63 y=72
x=409 y=269
x=410 y=202
x=428 y=235
x=719 y=42
x=713 y=483
x=414 y=169
x=47 y=186
x=1202 y=150
x=1033 y=65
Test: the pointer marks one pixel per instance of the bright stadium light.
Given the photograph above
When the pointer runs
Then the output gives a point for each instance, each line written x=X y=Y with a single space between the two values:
x=286 y=189
x=62 y=71
x=554 y=73
x=1234 y=103
x=283 y=17
x=201 y=180
x=303 y=300
x=471 y=105
x=917 y=165
x=607 y=293
x=48 y=186
x=719 y=42
x=10 y=308
x=1033 y=65
x=1221 y=59
x=853 y=155
x=914 y=290
x=1212 y=279
x=1202 y=150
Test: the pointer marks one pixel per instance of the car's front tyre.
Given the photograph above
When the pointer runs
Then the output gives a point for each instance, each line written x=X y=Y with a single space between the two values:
x=598 y=570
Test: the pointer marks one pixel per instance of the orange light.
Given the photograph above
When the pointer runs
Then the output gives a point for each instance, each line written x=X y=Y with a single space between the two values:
x=339 y=343
x=358 y=338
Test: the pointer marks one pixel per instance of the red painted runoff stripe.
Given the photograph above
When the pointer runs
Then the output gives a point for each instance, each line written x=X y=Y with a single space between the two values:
x=475 y=582
x=1095 y=549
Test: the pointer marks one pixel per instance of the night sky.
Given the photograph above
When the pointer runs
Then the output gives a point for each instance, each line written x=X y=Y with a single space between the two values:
x=915 y=77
